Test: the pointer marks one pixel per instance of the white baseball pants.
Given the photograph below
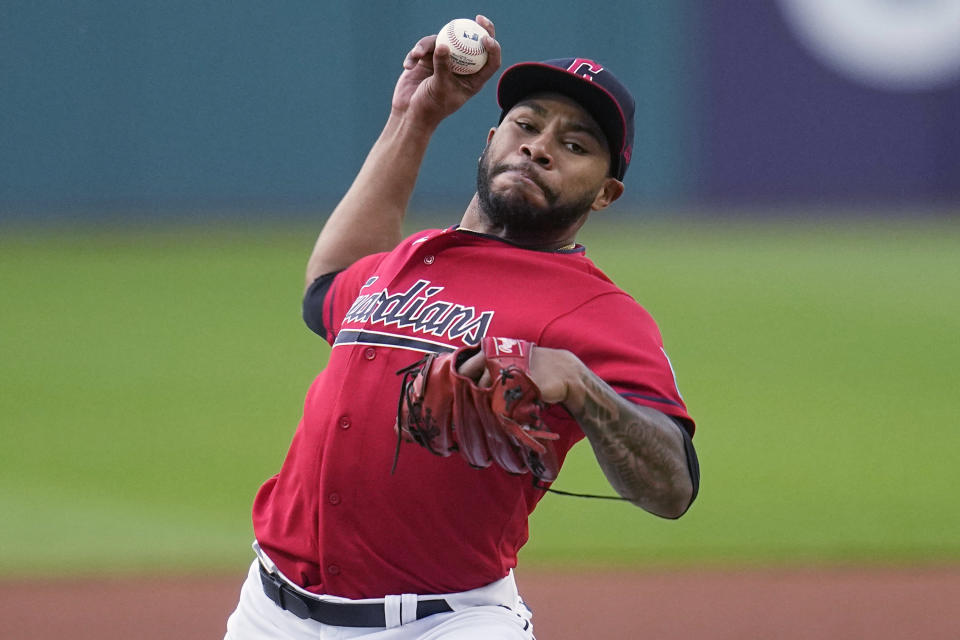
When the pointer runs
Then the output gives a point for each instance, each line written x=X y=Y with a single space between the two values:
x=492 y=612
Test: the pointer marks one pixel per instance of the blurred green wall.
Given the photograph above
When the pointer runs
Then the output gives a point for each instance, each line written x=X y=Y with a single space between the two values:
x=132 y=106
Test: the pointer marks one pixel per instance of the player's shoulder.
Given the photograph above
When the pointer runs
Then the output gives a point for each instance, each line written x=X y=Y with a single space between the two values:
x=600 y=301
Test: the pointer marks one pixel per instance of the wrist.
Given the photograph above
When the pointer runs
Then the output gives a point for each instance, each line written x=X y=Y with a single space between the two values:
x=576 y=390
x=408 y=123
x=576 y=396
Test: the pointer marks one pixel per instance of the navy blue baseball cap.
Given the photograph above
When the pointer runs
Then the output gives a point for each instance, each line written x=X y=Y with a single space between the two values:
x=591 y=85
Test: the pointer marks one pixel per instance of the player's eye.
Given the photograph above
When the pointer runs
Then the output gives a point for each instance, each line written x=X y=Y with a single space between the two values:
x=526 y=126
x=576 y=148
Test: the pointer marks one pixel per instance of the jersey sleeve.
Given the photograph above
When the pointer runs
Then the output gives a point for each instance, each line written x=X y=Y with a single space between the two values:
x=329 y=297
x=620 y=342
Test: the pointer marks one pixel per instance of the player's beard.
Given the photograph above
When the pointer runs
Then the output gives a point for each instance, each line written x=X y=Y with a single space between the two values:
x=521 y=218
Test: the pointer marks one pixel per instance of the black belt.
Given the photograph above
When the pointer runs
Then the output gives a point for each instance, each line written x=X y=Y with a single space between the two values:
x=337 y=614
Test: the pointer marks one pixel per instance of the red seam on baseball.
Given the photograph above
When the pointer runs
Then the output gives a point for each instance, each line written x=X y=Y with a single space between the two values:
x=456 y=42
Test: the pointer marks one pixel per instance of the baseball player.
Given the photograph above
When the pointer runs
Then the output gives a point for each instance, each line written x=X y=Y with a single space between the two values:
x=371 y=529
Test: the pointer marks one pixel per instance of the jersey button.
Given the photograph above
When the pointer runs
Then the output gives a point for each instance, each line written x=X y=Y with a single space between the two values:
x=333 y=569
x=370 y=353
x=334 y=498
x=344 y=422
x=428 y=259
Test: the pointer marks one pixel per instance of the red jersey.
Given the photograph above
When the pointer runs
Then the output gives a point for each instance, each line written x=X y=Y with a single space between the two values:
x=335 y=519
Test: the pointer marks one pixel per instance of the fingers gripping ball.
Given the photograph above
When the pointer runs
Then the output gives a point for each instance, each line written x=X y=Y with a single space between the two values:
x=464 y=37
x=445 y=411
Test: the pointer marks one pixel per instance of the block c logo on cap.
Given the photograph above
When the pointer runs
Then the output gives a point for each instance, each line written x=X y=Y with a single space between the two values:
x=585 y=68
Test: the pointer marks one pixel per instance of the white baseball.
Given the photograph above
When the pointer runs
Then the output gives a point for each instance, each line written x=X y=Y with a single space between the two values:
x=464 y=37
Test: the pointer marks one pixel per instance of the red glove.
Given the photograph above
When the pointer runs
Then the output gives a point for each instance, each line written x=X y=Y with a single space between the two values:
x=444 y=411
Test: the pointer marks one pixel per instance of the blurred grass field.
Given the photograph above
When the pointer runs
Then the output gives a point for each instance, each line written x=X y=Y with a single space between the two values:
x=151 y=379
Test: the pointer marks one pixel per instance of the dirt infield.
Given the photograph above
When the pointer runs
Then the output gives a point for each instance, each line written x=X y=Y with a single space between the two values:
x=879 y=604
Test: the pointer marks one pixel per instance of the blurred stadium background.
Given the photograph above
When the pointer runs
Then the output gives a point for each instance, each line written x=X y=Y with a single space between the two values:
x=791 y=219
x=184 y=109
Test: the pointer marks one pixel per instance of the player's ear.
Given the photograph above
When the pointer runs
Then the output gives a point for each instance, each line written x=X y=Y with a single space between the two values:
x=610 y=190
x=490 y=133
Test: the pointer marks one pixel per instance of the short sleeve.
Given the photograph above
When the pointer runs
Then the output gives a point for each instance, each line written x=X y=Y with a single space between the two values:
x=329 y=297
x=620 y=342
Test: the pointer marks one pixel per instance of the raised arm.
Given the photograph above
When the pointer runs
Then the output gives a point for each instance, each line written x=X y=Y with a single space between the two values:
x=369 y=218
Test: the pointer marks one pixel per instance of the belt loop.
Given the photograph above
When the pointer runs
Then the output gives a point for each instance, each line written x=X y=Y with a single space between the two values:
x=391 y=611
x=408 y=608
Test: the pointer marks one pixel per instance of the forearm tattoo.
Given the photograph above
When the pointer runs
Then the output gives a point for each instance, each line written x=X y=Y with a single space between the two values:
x=641 y=456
